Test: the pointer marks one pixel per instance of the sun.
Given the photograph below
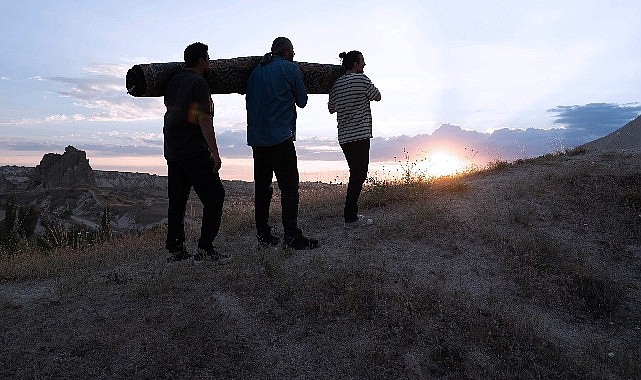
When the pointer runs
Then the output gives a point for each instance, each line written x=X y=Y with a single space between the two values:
x=439 y=164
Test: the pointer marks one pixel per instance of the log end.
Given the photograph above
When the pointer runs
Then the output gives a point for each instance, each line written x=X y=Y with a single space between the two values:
x=135 y=81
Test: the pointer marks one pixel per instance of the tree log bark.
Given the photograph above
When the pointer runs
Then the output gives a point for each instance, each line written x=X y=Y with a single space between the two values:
x=226 y=76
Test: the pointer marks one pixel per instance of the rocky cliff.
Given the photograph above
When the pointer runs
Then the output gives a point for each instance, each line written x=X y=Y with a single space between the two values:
x=68 y=170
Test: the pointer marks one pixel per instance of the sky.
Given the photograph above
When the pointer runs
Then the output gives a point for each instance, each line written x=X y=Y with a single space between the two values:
x=461 y=81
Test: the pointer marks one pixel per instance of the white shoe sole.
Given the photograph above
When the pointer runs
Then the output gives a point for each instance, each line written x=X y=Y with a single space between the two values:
x=361 y=222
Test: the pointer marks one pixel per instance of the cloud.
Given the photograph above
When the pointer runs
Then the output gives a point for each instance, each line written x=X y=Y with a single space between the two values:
x=57 y=118
x=477 y=148
x=102 y=94
x=19 y=122
x=26 y=145
x=233 y=144
x=581 y=124
x=595 y=119
x=112 y=70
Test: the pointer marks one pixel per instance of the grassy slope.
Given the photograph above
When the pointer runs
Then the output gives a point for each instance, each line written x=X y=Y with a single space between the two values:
x=529 y=270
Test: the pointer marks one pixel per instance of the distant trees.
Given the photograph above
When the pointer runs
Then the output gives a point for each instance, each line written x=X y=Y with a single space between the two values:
x=9 y=216
x=105 y=223
x=59 y=234
x=19 y=223
x=27 y=221
x=8 y=234
x=18 y=230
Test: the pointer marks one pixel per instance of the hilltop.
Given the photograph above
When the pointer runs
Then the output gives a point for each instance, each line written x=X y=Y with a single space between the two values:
x=627 y=137
x=527 y=270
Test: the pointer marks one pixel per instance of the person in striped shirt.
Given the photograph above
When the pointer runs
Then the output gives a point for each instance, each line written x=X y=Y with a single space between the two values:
x=350 y=99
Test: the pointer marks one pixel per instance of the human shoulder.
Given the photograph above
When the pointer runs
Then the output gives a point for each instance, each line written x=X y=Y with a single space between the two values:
x=186 y=73
x=352 y=79
x=188 y=76
x=362 y=77
x=282 y=62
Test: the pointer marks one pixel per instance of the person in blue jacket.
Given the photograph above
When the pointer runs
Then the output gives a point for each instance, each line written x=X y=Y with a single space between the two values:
x=274 y=89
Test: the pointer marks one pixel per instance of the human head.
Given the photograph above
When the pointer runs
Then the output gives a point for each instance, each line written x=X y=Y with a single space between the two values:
x=352 y=58
x=194 y=52
x=283 y=46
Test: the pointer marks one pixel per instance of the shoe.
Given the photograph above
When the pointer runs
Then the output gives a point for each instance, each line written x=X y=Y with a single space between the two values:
x=210 y=254
x=299 y=242
x=179 y=253
x=362 y=221
x=267 y=240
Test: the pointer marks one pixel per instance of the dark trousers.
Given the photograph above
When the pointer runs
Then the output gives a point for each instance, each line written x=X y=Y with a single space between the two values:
x=281 y=160
x=357 y=156
x=199 y=174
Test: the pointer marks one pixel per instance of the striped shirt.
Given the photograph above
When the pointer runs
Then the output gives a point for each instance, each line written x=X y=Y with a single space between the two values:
x=350 y=97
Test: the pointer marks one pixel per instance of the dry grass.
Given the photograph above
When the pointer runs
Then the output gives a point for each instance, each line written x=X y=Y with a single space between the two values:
x=525 y=270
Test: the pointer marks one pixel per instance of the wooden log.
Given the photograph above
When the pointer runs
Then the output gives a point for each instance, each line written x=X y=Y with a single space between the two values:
x=226 y=76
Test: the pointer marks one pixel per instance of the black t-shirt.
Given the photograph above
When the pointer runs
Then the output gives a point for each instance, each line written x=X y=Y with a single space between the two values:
x=186 y=96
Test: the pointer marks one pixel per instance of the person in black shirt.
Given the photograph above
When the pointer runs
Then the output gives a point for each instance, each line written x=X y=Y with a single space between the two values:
x=192 y=156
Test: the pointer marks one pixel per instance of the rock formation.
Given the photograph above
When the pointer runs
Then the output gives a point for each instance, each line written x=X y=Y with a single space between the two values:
x=69 y=170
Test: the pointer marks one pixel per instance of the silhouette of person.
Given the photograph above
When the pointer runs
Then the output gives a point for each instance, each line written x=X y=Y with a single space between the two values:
x=350 y=99
x=274 y=89
x=192 y=156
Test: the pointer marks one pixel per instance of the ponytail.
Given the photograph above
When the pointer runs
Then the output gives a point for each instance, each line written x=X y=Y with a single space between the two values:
x=348 y=59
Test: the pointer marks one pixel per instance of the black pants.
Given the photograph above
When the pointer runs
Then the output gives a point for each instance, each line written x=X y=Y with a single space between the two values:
x=281 y=160
x=357 y=156
x=199 y=174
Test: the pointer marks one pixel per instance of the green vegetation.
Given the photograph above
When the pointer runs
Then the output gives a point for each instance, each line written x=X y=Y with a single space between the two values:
x=18 y=237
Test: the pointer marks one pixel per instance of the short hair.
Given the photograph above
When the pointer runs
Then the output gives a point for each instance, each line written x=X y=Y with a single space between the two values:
x=281 y=44
x=194 y=52
x=350 y=58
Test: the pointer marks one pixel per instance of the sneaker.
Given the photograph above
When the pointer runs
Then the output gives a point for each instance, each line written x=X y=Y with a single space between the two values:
x=210 y=254
x=267 y=240
x=362 y=221
x=179 y=253
x=299 y=242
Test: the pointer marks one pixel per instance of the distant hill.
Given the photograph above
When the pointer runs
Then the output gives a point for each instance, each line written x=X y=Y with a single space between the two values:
x=627 y=137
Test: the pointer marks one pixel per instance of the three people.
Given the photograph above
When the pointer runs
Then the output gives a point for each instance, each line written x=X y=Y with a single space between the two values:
x=350 y=99
x=192 y=156
x=274 y=89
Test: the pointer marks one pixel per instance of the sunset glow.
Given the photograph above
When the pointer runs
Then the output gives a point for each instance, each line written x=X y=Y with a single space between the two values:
x=440 y=164
x=459 y=85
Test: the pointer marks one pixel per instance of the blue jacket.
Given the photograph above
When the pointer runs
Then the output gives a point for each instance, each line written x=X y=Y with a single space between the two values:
x=273 y=92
